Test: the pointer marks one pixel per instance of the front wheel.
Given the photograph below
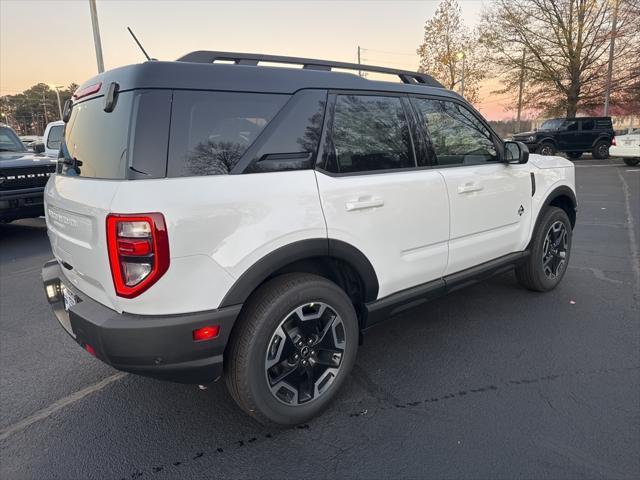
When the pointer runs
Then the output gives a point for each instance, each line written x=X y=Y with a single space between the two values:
x=632 y=162
x=547 y=148
x=291 y=349
x=549 y=253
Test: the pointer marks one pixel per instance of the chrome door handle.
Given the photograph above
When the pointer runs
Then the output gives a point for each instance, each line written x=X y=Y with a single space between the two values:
x=469 y=187
x=363 y=203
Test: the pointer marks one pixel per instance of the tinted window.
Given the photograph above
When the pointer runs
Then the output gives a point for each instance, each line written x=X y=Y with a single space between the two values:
x=457 y=136
x=55 y=137
x=369 y=133
x=570 y=126
x=588 y=124
x=291 y=140
x=9 y=141
x=95 y=142
x=210 y=131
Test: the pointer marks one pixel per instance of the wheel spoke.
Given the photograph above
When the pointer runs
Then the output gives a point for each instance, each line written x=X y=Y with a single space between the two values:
x=305 y=353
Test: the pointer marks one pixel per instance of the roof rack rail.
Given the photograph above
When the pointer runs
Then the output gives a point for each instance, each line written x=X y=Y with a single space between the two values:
x=206 y=56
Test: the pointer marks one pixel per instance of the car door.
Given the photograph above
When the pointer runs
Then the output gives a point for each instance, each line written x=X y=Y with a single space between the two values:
x=373 y=195
x=489 y=201
x=588 y=134
x=568 y=136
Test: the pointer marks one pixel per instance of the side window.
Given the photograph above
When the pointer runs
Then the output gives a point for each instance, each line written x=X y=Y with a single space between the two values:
x=369 y=133
x=570 y=126
x=290 y=142
x=55 y=137
x=210 y=131
x=457 y=136
x=588 y=124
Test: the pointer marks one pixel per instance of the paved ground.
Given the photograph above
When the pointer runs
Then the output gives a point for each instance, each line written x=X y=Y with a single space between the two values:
x=491 y=382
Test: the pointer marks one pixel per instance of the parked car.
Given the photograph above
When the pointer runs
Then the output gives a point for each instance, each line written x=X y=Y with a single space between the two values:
x=50 y=143
x=574 y=136
x=283 y=212
x=22 y=178
x=627 y=147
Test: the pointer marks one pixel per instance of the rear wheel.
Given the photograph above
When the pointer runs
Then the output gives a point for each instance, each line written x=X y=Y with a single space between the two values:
x=547 y=148
x=574 y=155
x=632 y=162
x=601 y=150
x=292 y=349
x=549 y=254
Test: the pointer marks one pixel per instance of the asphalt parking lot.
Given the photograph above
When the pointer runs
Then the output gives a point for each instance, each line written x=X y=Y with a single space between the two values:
x=490 y=382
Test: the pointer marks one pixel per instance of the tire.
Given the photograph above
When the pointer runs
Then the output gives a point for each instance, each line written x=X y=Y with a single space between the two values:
x=574 y=155
x=632 y=162
x=601 y=150
x=272 y=312
x=532 y=274
x=546 y=148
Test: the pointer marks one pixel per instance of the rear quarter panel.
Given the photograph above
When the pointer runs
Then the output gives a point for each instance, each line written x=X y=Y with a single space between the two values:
x=218 y=227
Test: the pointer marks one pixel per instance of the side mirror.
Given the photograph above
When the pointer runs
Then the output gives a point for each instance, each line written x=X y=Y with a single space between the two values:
x=38 y=147
x=515 y=152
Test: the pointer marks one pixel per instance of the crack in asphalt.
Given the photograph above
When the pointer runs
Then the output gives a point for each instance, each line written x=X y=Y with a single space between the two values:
x=247 y=442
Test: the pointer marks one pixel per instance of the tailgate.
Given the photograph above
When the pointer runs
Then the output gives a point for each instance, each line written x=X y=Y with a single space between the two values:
x=76 y=210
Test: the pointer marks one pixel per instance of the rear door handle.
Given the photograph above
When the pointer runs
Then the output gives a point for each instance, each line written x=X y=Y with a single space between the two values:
x=364 y=203
x=469 y=187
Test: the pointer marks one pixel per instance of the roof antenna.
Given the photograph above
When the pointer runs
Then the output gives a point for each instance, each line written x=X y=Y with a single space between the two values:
x=140 y=45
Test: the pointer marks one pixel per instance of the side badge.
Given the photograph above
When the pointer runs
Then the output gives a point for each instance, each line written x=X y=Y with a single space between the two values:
x=521 y=210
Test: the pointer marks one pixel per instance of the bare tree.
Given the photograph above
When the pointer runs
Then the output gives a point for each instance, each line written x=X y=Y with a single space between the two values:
x=448 y=47
x=566 y=43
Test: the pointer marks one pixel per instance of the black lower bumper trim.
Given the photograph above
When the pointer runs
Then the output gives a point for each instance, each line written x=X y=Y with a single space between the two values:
x=155 y=346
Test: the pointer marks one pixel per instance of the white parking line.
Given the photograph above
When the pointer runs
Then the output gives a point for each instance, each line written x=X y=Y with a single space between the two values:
x=60 y=404
x=635 y=253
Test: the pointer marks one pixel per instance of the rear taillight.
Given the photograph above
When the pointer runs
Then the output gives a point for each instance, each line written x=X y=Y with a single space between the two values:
x=613 y=141
x=138 y=251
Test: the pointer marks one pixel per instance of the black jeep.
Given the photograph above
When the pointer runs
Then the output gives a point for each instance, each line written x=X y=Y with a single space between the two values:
x=23 y=176
x=574 y=136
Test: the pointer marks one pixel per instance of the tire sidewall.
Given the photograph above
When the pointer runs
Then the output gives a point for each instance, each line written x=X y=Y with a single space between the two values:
x=632 y=162
x=319 y=290
x=599 y=146
x=547 y=149
x=552 y=215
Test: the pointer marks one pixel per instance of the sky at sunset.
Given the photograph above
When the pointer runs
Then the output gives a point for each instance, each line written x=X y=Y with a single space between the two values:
x=51 y=41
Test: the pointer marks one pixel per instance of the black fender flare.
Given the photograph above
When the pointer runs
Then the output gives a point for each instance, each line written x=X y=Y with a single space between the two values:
x=561 y=191
x=302 y=250
x=547 y=139
x=600 y=138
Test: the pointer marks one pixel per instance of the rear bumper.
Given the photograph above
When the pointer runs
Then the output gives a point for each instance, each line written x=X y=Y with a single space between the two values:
x=156 y=346
x=22 y=203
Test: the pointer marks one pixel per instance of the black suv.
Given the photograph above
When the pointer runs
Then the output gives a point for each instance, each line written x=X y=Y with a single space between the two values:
x=574 y=136
x=23 y=176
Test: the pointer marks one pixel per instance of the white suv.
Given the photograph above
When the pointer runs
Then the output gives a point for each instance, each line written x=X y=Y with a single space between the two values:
x=252 y=221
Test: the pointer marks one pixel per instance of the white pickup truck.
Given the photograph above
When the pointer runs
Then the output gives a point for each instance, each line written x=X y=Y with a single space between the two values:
x=52 y=137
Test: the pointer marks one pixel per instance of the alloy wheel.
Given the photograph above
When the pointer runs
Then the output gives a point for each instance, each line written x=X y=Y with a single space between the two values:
x=554 y=250
x=304 y=355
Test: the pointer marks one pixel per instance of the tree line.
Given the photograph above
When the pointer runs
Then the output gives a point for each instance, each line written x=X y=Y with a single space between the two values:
x=30 y=111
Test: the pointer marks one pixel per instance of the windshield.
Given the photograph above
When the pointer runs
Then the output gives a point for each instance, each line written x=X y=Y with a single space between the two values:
x=551 y=124
x=9 y=141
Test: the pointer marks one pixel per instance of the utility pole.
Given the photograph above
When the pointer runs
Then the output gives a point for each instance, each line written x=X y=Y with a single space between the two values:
x=462 y=56
x=614 y=23
x=55 y=87
x=96 y=34
x=359 y=72
x=44 y=105
x=520 y=90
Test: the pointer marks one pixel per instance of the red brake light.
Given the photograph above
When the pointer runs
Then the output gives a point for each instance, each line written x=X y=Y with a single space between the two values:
x=206 y=333
x=138 y=251
x=83 y=92
x=613 y=141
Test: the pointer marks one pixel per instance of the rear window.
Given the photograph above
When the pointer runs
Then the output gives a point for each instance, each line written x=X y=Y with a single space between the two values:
x=210 y=131
x=95 y=142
